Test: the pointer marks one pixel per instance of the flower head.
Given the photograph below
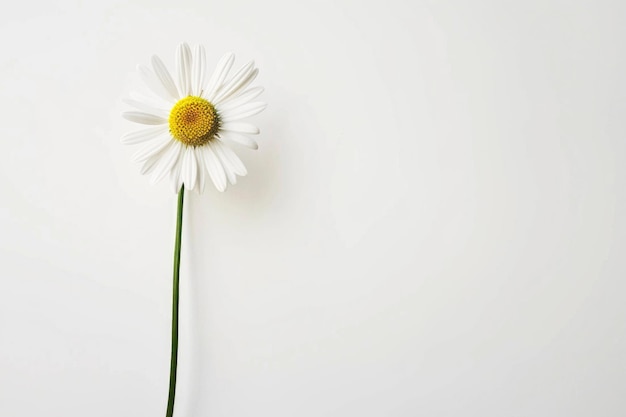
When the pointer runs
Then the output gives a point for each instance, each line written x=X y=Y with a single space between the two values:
x=188 y=120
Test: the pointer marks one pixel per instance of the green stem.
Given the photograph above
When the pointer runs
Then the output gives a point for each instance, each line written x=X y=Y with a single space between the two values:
x=174 y=356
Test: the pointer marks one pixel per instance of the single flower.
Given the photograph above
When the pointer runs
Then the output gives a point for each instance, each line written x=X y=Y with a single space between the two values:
x=187 y=122
x=189 y=119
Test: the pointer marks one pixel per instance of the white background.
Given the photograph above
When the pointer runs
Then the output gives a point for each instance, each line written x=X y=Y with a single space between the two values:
x=434 y=224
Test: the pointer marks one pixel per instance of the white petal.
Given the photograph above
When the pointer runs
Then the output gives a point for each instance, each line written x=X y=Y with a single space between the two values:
x=149 y=165
x=228 y=169
x=143 y=135
x=244 y=140
x=152 y=162
x=144 y=118
x=147 y=108
x=167 y=161
x=243 y=111
x=183 y=66
x=236 y=91
x=198 y=76
x=190 y=168
x=248 y=95
x=153 y=84
x=234 y=83
x=183 y=166
x=227 y=154
x=194 y=167
x=151 y=148
x=219 y=75
x=201 y=170
x=240 y=127
x=177 y=179
x=163 y=75
x=214 y=167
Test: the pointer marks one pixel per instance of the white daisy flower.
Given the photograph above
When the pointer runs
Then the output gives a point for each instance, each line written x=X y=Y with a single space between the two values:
x=190 y=117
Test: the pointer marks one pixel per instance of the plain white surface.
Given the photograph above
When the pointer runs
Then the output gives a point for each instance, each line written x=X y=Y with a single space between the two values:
x=434 y=224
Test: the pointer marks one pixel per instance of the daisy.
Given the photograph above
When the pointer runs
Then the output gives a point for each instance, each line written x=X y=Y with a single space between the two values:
x=190 y=117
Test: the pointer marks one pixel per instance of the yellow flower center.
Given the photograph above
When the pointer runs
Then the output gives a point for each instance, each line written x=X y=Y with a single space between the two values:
x=194 y=121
